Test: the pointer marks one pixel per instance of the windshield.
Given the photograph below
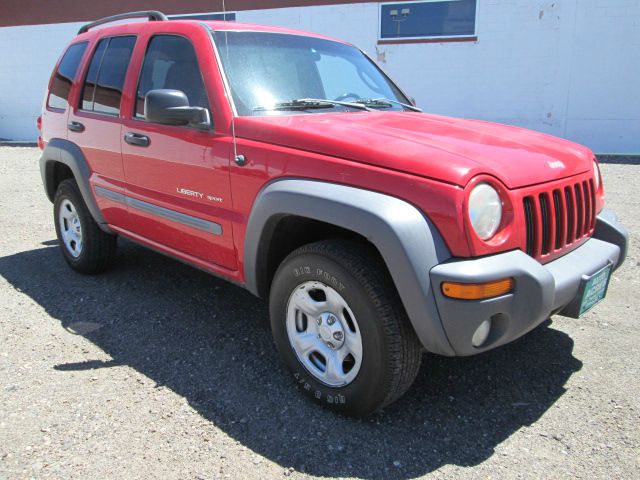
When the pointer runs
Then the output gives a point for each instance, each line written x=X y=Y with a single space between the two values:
x=275 y=73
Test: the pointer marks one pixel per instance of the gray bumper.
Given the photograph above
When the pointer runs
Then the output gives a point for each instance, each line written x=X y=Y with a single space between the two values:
x=540 y=291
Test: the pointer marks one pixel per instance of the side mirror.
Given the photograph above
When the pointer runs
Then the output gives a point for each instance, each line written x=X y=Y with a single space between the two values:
x=171 y=107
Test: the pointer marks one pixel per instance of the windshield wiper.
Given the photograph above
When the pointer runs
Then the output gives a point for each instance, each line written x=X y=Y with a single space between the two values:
x=310 y=103
x=385 y=103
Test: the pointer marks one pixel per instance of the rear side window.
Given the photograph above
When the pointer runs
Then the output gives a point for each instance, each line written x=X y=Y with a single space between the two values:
x=102 y=90
x=65 y=75
x=171 y=62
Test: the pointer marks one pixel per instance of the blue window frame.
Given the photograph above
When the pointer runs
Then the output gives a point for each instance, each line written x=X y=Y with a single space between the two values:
x=229 y=17
x=428 y=19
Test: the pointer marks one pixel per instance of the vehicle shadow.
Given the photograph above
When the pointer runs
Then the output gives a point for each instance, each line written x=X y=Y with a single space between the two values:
x=209 y=341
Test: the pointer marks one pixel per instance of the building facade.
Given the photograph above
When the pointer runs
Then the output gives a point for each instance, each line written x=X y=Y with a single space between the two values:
x=570 y=68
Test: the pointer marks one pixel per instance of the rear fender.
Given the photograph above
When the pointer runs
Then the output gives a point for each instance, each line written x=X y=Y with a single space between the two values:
x=69 y=154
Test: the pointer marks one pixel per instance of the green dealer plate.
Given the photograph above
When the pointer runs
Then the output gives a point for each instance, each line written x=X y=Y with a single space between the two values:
x=595 y=289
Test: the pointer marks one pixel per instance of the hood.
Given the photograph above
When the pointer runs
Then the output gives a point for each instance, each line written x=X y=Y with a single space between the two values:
x=448 y=149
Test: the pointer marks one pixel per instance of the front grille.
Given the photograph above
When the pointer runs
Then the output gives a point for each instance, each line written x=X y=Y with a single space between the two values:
x=559 y=217
x=544 y=214
x=528 y=216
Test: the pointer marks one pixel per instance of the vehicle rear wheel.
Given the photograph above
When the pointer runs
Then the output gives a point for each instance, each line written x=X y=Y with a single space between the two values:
x=85 y=247
x=340 y=327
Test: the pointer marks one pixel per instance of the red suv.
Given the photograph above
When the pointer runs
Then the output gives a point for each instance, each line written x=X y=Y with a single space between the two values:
x=290 y=164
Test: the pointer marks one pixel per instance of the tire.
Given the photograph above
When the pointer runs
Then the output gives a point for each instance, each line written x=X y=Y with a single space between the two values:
x=307 y=290
x=85 y=247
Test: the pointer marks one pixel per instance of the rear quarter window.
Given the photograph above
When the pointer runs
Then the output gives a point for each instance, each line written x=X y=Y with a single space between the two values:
x=65 y=74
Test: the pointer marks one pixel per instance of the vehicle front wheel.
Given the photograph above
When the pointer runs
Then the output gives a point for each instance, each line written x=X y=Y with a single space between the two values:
x=85 y=247
x=340 y=327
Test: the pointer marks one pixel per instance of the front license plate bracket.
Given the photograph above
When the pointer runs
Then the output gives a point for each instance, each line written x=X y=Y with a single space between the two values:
x=592 y=290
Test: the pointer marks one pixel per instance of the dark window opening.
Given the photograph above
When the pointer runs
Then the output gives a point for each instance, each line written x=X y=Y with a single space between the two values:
x=446 y=18
x=88 y=89
x=171 y=63
x=102 y=90
x=61 y=86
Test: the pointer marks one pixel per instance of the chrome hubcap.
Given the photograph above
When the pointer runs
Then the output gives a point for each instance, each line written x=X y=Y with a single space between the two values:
x=324 y=333
x=330 y=330
x=70 y=228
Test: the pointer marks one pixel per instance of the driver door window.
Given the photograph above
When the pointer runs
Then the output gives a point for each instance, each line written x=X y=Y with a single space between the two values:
x=171 y=63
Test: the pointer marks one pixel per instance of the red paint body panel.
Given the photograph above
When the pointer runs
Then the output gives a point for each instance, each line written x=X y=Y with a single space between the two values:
x=193 y=161
x=429 y=161
x=182 y=158
x=268 y=162
x=447 y=149
x=100 y=144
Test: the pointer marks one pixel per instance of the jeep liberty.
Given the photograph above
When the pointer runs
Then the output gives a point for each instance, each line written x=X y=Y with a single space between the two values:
x=290 y=164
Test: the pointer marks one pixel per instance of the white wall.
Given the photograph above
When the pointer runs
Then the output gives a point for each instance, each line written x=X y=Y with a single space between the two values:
x=27 y=57
x=570 y=68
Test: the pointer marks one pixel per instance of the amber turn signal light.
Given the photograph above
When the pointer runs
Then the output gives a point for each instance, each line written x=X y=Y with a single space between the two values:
x=478 y=291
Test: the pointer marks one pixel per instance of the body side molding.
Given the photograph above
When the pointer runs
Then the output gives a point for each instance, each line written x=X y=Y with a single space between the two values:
x=174 y=216
x=408 y=242
x=68 y=153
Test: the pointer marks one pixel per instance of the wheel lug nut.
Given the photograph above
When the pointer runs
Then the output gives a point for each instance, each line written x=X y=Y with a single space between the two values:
x=330 y=345
x=331 y=320
x=338 y=336
x=319 y=320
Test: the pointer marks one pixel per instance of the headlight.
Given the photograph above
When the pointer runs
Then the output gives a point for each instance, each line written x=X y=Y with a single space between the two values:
x=596 y=175
x=485 y=210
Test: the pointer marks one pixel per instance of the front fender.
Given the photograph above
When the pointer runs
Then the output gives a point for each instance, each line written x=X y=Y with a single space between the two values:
x=408 y=242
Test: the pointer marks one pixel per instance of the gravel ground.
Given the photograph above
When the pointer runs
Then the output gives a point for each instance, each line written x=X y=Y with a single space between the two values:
x=156 y=369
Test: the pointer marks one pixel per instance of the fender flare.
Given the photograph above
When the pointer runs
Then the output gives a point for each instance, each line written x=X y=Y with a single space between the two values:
x=68 y=153
x=407 y=240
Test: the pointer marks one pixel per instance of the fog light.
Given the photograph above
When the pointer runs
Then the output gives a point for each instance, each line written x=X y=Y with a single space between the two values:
x=478 y=291
x=481 y=334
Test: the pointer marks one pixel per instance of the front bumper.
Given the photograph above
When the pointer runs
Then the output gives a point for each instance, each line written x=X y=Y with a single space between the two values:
x=540 y=290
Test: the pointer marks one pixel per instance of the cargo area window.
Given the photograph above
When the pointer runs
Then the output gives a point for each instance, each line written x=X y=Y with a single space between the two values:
x=65 y=74
x=102 y=89
x=428 y=19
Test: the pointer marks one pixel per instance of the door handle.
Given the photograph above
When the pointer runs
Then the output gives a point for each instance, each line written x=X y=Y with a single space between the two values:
x=75 y=126
x=137 y=139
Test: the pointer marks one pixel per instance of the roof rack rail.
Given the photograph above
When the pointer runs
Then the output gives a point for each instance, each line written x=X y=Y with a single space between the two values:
x=152 y=15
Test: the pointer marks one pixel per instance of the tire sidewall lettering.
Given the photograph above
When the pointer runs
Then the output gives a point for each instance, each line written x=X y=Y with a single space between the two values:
x=319 y=395
x=360 y=395
x=303 y=273
x=319 y=274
